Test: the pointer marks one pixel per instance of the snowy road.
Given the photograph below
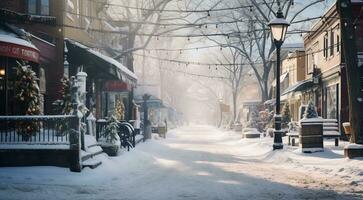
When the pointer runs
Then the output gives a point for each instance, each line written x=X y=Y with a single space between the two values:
x=192 y=163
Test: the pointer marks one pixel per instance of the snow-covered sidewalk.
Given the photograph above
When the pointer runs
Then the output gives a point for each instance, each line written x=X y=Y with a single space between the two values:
x=197 y=162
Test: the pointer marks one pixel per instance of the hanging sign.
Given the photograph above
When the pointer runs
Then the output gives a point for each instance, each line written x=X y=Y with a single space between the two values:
x=18 y=51
x=116 y=86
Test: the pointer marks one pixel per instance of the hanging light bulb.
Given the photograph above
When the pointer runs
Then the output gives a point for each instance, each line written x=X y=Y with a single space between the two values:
x=220 y=48
x=292 y=2
x=216 y=26
x=208 y=15
x=251 y=9
x=188 y=38
x=206 y=26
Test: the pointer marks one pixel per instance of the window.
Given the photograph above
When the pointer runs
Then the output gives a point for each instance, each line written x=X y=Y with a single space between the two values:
x=38 y=7
x=338 y=43
x=331 y=42
x=325 y=51
x=331 y=104
x=44 y=5
x=32 y=6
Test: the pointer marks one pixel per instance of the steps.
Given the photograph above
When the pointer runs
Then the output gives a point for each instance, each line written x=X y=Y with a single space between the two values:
x=91 y=157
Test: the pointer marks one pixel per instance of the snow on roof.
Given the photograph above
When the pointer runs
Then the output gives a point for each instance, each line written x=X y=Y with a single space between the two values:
x=293 y=46
x=11 y=38
x=107 y=59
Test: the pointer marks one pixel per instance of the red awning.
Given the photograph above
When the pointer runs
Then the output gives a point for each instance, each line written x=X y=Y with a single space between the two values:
x=12 y=46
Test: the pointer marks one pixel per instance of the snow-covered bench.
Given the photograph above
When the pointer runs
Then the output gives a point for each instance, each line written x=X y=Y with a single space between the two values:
x=291 y=137
x=330 y=130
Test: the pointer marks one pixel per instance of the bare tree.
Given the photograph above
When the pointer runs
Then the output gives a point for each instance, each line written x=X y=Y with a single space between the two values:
x=253 y=39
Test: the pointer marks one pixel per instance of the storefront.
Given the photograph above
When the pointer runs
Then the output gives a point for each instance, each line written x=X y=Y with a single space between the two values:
x=116 y=96
x=109 y=83
x=14 y=49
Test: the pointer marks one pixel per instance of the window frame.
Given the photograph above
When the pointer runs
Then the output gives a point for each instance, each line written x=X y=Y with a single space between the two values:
x=38 y=7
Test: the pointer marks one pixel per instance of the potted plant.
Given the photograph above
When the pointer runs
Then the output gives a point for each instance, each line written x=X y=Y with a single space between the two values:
x=109 y=140
x=346 y=126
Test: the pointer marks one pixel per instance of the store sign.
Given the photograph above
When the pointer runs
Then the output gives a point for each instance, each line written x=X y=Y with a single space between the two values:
x=113 y=86
x=18 y=51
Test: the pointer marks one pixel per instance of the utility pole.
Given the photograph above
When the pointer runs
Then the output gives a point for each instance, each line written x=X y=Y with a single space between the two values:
x=354 y=74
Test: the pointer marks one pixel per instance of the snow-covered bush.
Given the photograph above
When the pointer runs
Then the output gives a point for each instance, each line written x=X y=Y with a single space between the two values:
x=310 y=111
x=27 y=96
x=286 y=116
x=254 y=120
x=110 y=135
x=270 y=132
x=110 y=140
x=293 y=126
x=266 y=118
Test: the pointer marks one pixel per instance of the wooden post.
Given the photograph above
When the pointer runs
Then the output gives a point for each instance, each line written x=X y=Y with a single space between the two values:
x=74 y=136
x=355 y=93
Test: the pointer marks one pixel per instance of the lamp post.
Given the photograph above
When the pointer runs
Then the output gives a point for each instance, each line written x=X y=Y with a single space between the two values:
x=278 y=28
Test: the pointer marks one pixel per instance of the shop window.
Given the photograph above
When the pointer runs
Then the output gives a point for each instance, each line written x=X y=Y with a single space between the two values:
x=331 y=102
x=32 y=6
x=38 y=7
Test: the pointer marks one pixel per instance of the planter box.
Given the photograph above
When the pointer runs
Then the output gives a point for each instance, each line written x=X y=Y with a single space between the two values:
x=311 y=136
x=111 y=150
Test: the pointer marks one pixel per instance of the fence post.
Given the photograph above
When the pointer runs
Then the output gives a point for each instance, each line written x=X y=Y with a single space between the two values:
x=74 y=136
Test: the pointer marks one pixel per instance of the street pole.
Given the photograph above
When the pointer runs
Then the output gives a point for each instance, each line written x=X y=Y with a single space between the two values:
x=145 y=97
x=278 y=133
x=354 y=74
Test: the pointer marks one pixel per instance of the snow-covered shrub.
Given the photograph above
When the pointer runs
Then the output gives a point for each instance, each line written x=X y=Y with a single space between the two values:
x=27 y=96
x=63 y=106
x=310 y=111
x=270 y=132
x=266 y=118
x=110 y=140
x=293 y=126
x=254 y=120
x=286 y=116
x=110 y=135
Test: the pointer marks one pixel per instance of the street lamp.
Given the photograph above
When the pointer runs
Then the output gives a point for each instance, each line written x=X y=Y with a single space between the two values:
x=278 y=28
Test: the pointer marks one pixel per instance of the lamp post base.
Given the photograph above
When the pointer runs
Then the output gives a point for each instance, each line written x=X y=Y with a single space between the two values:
x=277 y=140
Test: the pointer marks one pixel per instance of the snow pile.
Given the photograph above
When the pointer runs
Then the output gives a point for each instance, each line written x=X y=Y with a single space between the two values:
x=196 y=163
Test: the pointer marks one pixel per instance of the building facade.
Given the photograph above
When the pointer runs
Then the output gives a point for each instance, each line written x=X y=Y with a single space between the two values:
x=79 y=31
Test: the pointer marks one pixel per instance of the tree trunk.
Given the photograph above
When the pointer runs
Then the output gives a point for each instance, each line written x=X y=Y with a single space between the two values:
x=129 y=57
x=355 y=93
x=234 y=96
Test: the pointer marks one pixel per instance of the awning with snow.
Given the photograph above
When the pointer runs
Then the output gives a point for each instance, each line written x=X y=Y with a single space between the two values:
x=299 y=86
x=282 y=78
x=11 y=45
x=82 y=54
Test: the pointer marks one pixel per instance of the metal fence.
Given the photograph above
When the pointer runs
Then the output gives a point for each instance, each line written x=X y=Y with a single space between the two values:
x=52 y=129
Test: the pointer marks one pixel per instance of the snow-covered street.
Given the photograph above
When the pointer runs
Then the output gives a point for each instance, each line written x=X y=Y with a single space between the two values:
x=196 y=162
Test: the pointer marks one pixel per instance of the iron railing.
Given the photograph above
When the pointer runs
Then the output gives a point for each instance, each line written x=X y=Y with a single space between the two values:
x=52 y=129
